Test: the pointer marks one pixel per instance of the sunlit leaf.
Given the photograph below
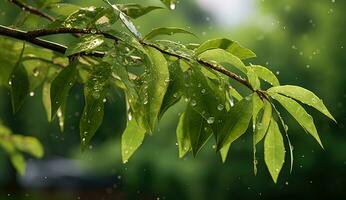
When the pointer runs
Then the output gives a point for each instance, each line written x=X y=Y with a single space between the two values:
x=221 y=56
x=85 y=44
x=227 y=45
x=183 y=137
x=274 y=150
x=266 y=75
x=166 y=31
x=131 y=139
x=18 y=162
x=303 y=95
x=28 y=145
x=299 y=113
x=135 y=10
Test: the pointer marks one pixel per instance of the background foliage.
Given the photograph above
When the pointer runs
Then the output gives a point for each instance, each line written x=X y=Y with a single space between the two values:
x=300 y=44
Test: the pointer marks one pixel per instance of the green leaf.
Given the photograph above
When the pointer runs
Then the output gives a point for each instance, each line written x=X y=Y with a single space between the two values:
x=61 y=86
x=266 y=75
x=64 y=9
x=131 y=139
x=274 y=150
x=174 y=48
x=84 y=44
x=221 y=56
x=125 y=20
x=236 y=122
x=166 y=31
x=18 y=163
x=175 y=87
x=224 y=152
x=183 y=137
x=234 y=93
x=253 y=78
x=262 y=126
x=94 y=94
x=298 y=112
x=135 y=10
x=303 y=95
x=19 y=84
x=227 y=45
x=155 y=83
x=198 y=129
x=28 y=145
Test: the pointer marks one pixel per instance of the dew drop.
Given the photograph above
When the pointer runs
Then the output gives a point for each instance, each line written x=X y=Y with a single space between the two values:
x=211 y=120
x=220 y=107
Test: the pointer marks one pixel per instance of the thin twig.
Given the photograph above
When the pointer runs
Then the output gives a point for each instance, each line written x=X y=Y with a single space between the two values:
x=22 y=35
x=32 y=10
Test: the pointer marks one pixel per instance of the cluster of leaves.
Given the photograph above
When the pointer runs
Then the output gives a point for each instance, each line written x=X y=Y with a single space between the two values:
x=155 y=75
x=15 y=145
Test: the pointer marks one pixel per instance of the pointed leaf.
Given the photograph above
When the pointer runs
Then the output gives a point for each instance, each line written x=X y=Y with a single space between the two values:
x=61 y=86
x=166 y=31
x=227 y=45
x=18 y=162
x=266 y=75
x=131 y=139
x=198 y=129
x=274 y=150
x=221 y=56
x=236 y=122
x=303 y=95
x=84 y=44
x=183 y=137
x=135 y=10
x=262 y=126
x=94 y=95
x=19 y=84
x=299 y=113
x=154 y=87
x=28 y=145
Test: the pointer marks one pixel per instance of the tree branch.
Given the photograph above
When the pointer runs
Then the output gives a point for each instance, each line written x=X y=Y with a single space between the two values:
x=22 y=35
x=32 y=10
x=31 y=36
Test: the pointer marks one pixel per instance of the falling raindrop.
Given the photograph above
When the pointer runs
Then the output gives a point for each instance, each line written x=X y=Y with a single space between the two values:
x=32 y=94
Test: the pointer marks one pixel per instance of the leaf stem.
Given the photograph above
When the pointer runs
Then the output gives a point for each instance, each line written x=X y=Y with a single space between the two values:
x=32 y=10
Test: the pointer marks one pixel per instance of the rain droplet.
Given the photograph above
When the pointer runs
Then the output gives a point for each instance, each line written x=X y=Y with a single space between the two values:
x=220 y=107
x=211 y=120
x=145 y=102
x=203 y=91
x=172 y=6
x=93 y=31
x=36 y=72
x=104 y=100
x=32 y=94
x=193 y=103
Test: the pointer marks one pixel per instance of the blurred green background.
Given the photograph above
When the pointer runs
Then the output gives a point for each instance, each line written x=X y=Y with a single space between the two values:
x=302 y=41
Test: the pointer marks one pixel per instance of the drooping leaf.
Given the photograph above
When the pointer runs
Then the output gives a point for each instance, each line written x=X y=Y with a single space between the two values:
x=166 y=31
x=18 y=161
x=126 y=20
x=155 y=83
x=274 y=150
x=263 y=124
x=183 y=137
x=19 y=84
x=85 y=44
x=28 y=145
x=94 y=94
x=303 y=95
x=174 y=48
x=235 y=94
x=253 y=78
x=266 y=75
x=224 y=152
x=221 y=56
x=175 y=87
x=61 y=86
x=131 y=139
x=236 y=122
x=227 y=45
x=299 y=113
x=135 y=10
x=198 y=129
